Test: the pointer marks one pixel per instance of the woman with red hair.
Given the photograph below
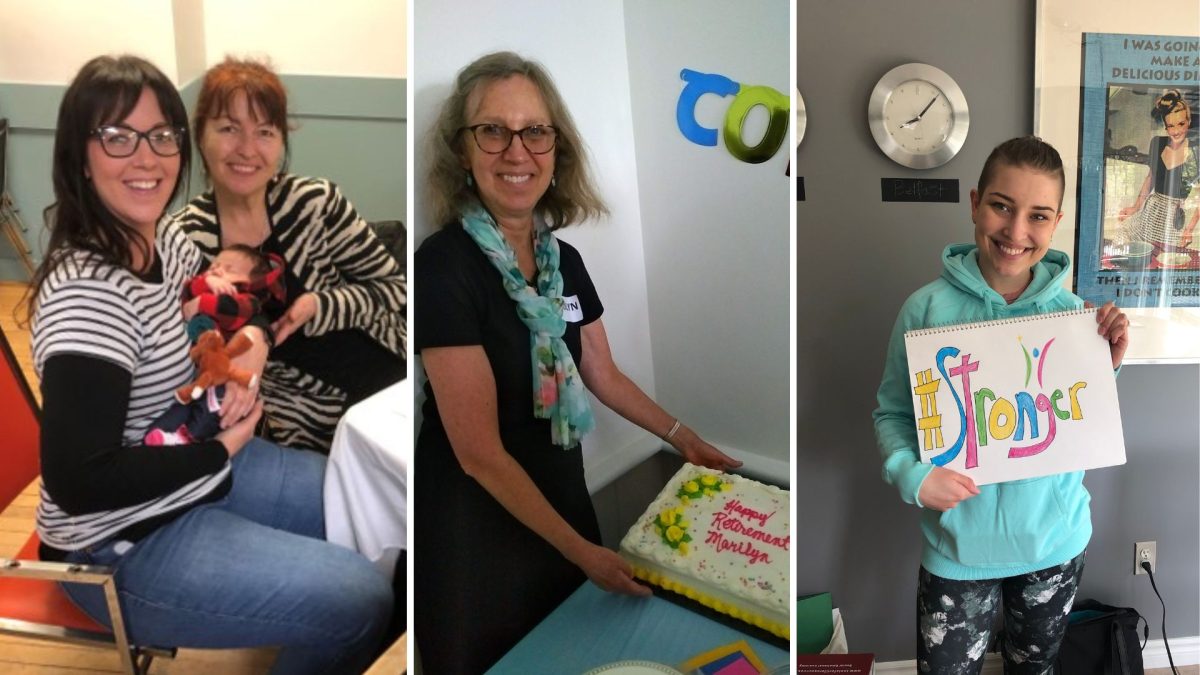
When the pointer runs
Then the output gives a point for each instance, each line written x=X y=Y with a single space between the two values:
x=342 y=335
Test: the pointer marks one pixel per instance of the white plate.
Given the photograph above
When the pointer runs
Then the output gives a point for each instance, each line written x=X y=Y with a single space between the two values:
x=1173 y=259
x=633 y=668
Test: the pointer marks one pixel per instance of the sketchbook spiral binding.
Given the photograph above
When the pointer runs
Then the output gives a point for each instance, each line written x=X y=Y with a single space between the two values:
x=954 y=328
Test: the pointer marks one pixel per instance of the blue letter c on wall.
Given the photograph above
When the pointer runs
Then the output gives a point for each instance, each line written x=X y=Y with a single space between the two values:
x=699 y=84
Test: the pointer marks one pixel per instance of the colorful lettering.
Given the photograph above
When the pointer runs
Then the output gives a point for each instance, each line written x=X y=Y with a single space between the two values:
x=1073 y=392
x=964 y=370
x=984 y=416
x=746 y=98
x=949 y=455
x=930 y=421
x=1026 y=411
x=1043 y=404
x=980 y=425
x=1002 y=421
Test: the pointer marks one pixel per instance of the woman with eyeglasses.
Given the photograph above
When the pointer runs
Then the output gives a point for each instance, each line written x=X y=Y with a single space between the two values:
x=342 y=336
x=509 y=331
x=217 y=543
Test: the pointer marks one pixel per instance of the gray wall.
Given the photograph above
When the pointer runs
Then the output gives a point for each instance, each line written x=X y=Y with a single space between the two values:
x=858 y=259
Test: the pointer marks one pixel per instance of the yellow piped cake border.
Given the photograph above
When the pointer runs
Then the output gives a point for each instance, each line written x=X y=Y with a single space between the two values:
x=775 y=628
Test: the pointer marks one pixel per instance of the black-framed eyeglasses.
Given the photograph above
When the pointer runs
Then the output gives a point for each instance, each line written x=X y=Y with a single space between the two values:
x=494 y=139
x=120 y=142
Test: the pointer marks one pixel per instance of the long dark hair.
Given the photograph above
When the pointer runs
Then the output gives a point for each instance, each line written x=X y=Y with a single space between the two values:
x=105 y=91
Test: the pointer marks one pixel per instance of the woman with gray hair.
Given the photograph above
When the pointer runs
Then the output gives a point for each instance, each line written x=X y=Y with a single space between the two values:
x=508 y=327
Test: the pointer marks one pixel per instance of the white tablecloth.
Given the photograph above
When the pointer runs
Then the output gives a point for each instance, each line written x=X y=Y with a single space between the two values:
x=366 y=480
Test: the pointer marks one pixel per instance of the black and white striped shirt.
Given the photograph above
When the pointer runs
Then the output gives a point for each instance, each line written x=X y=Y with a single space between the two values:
x=92 y=309
x=330 y=249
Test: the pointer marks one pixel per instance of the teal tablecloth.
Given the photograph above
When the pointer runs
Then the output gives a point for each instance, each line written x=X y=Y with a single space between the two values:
x=592 y=628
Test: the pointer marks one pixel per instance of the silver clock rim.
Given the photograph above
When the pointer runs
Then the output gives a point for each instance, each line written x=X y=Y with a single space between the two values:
x=801 y=118
x=954 y=96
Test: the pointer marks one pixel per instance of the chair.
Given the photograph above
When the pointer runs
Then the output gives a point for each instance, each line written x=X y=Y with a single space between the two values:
x=10 y=221
x=32 y=605
x=394 y=238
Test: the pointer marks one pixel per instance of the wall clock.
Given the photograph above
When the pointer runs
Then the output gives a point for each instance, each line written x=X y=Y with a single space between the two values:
x=918 y=116
x=801 y=118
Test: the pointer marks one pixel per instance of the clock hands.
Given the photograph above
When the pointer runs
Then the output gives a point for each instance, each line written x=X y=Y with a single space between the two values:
x=927 y=105
x=920 y=114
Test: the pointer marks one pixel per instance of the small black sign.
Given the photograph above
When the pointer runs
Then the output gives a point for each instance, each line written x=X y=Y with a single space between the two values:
x=919 y=189
x=799 y=188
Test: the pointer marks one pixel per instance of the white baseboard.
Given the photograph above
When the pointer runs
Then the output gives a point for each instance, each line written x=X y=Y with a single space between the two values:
x=1184 y=650
x=600 y=471
x=605 y=469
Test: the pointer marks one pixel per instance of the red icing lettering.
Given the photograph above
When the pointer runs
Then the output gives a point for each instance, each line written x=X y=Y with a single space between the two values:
x=743 y=548
x=735 y=506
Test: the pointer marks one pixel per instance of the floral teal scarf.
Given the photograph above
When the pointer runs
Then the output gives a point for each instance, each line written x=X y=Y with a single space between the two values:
x=558 y=392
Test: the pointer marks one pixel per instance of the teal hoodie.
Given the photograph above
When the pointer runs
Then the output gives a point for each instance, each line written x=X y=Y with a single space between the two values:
x=1009 y=528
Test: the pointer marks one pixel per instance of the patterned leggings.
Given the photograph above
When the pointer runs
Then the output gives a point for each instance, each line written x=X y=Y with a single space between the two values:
x=955 y=618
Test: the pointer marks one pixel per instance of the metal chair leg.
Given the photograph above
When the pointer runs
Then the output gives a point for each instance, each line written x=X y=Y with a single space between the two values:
x=118 y=627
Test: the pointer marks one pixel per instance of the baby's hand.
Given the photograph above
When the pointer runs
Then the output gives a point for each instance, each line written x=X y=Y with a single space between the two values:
x=220 y=286
x=190 y=308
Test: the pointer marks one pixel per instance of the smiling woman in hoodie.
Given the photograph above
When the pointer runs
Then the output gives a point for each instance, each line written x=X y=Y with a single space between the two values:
x=1021 y=540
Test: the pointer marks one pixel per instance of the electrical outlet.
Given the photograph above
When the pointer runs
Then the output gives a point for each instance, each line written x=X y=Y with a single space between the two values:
x=1145 y=551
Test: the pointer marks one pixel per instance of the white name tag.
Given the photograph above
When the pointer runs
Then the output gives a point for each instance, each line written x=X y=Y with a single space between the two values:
x=572 y=312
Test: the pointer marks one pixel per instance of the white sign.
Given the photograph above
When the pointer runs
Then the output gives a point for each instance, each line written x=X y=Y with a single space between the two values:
x=1016 y=398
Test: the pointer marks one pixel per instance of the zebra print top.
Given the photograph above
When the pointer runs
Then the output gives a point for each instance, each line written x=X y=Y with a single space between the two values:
x=330 y=249
x=88 y=307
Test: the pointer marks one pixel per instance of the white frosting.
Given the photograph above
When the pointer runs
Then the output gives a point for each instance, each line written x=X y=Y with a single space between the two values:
x=738 y=554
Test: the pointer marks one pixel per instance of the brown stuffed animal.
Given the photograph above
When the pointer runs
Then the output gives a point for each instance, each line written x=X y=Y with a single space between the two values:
x=212 y=357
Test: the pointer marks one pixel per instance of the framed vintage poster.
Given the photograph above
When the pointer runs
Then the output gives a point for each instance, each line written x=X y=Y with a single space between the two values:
x=1117 y=91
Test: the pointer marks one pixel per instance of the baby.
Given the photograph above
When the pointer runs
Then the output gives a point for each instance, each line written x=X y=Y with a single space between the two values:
x=235 y=288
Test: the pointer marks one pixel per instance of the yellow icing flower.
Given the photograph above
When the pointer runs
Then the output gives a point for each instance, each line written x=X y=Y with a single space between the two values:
x=726 y=486
x=674 y=533
x=683 y=548
x=708 y=492
x=691 y=486
x=685 y=524
x=684 y=500
x=667 y=517
x=708 y=479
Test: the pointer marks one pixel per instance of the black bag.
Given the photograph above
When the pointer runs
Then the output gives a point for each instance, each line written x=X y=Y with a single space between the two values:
x=1102 y=640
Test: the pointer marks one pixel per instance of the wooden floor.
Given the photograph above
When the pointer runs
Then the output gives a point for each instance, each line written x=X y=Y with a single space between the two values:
x=30 y=657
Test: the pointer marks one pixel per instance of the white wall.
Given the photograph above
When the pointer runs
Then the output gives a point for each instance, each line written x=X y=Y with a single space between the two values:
x=79 y=31
x=355 y=38
x=692 y=266
x=715 y=229
x=359 y=38
x=582 y=45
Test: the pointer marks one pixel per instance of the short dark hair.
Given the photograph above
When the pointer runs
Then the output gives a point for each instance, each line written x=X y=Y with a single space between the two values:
x=105 y=91
x=1024 y=151
x=260 y=263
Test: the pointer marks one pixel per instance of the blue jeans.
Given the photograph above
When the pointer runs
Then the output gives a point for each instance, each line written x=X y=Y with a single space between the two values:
x=252 y=569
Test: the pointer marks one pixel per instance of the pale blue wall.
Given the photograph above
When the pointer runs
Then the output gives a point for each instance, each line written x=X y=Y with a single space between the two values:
x=351 y=130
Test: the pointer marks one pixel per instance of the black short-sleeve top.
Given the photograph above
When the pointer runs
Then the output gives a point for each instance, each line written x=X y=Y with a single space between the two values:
x=459 y=301
x=1175 y=182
